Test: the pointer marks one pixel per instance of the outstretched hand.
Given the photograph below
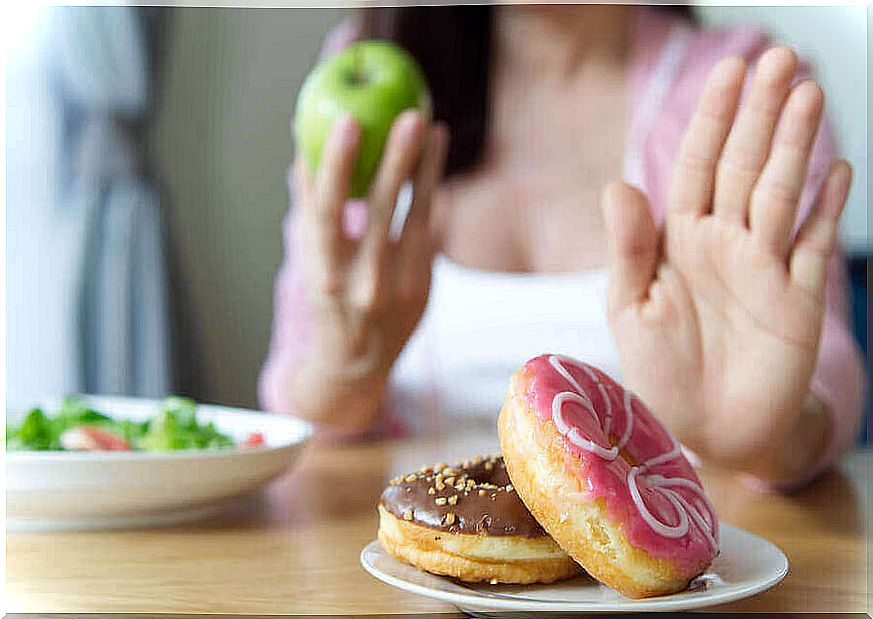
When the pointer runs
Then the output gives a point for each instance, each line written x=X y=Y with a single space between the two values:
x=718 y=316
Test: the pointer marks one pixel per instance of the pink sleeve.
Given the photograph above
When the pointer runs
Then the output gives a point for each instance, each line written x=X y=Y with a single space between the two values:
x=292 y=323
x=838 y=380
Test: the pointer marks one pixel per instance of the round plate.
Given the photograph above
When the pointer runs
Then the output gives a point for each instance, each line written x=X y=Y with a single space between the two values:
x=747 y=565
x=56 y=490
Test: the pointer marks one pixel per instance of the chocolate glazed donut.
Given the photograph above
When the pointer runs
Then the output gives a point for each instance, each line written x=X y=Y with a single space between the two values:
x=467 y=521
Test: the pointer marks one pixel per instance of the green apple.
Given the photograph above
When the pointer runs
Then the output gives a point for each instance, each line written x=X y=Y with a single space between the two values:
x=373 y=81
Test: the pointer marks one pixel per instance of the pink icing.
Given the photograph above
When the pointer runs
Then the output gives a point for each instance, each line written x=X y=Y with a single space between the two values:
x=627 y=458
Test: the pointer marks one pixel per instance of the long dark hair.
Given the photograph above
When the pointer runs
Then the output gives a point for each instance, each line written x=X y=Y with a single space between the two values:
x=453 y=46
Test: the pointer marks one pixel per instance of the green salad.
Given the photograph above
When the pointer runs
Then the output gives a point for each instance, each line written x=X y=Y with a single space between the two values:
x=77 y=426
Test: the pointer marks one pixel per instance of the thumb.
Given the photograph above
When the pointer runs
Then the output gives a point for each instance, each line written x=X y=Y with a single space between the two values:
x=633 y=244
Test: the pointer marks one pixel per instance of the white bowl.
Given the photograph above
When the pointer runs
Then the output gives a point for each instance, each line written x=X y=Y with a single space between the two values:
x=57 y=490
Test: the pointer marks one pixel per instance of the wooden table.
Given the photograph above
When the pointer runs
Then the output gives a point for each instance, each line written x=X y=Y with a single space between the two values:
x=293 y=548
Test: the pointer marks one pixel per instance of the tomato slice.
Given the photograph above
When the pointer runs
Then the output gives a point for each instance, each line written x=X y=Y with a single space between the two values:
x=93 y=438
x=255 y=439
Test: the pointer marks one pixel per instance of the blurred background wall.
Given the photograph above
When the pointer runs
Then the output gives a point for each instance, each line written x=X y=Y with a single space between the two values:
x=220 y=146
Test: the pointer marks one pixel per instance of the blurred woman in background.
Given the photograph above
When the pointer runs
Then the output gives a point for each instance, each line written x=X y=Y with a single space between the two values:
x=709 y=280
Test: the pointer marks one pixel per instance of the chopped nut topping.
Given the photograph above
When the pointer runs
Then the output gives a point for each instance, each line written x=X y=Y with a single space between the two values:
x=440 y=485
x=450 y=481
x=407 y=515
x=431 y=490
x=411 y=478
x=509 y=488
x=481 y=492
x=453 y=500
x=450 y=518
x=440 y=500
x=489 y=465
x=493 y=581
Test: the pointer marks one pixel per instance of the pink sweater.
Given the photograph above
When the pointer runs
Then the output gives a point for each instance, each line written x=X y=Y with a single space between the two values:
x=839 y=378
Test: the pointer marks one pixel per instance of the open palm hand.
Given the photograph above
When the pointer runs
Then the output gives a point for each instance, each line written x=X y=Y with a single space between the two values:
x=718 y=317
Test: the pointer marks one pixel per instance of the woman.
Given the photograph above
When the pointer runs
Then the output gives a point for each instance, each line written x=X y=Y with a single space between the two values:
x=729 y=325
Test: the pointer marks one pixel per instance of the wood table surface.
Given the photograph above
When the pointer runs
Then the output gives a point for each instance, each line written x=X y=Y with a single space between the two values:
x=293 y=547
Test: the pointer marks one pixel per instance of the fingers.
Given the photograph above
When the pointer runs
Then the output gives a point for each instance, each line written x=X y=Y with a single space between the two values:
x=336 y=168
x=327 y=194
x=416 y=244
x=402 y=153
x=633 y=246
x=301 y=181
x=748 y=144
x=322 y=199
x=691 y=185
x=427 y=177
x=816 y=239
x=774 y=200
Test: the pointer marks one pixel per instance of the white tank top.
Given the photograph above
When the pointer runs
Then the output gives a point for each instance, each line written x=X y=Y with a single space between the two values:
x=480 y=326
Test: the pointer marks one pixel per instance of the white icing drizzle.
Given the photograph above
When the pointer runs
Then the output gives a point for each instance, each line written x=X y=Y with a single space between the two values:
x=663 y=458
x=629 y=420
x=557 y=363
x=664 y=529
x=607 y=421
x=700 y=512
x=572 y=434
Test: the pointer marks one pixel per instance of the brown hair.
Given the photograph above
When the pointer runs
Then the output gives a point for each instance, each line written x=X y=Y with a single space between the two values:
x=453 y=46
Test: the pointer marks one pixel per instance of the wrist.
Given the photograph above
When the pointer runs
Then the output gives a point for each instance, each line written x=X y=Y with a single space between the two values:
x=797 y=452
x=324 y=394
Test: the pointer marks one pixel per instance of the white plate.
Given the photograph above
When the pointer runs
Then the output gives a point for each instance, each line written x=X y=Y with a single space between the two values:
x=747 y=565
x=92 y=490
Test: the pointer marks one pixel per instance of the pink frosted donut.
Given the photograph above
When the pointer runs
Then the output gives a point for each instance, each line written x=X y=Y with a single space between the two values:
x=605 y=478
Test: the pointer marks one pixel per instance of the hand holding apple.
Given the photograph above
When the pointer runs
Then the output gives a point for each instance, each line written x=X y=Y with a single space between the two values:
x=372 y=81
x=366 y=294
